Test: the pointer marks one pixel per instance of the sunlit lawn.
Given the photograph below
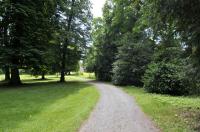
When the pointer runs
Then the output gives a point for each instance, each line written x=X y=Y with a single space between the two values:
x=46 y=106
x=172 y=114
x=1 y=77
x=88 y=75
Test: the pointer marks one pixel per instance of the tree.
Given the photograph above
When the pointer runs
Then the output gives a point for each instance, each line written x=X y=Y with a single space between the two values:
x=27 y=34
x=73 y=18
x=89 y=60
x=104 y=37
x=183 y=15
x=132 y=60
x=135 y=47
x=4 y=38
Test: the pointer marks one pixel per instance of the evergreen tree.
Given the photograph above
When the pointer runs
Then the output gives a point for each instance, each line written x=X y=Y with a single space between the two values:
x=104 y=42
x=132 y=60
x=135 y=48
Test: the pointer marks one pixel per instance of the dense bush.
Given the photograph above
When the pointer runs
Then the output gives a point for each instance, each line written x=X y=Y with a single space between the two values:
x=131 y=64
x=193 y=76
x=166 y=78
x=132 y=60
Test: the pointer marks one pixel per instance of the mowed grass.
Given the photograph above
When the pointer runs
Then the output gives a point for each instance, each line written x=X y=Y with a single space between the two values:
x=171 y=114
x=1 y=77
x=88 y=75
x=46 y=106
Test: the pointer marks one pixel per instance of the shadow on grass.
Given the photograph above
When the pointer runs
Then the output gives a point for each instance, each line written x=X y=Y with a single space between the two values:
x=33 y=81
x=19 y=103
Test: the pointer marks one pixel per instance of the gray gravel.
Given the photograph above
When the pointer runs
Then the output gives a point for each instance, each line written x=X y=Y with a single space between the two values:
x=116 y=111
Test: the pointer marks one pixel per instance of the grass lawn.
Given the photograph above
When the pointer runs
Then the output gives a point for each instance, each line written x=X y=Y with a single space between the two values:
x=46 y=106
x=1 y=77
x=88 y=75
x=172 y=114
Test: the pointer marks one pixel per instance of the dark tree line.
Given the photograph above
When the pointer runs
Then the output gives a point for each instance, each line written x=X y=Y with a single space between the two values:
x=42 y=36
x=150 y=43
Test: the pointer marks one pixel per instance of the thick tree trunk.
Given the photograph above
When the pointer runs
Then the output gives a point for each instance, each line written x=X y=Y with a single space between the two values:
x=62 y=78
x=15 y=78
x=43 y=76
x=7 y=73
x=5 y=38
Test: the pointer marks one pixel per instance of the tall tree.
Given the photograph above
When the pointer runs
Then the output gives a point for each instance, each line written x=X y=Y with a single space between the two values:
x=27 y=34
x=135 y=47
x=4 y=41
x=172 y=20
x=74 y=18
x=104 y=41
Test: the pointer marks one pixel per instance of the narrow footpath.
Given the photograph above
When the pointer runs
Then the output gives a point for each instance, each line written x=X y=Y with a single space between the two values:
x=116 y=111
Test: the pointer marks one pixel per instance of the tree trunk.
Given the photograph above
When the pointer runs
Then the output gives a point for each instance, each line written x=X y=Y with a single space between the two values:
x=15 y=78
x=7 y=73
x=43 y=76
x=62 y=77
x=5 y=38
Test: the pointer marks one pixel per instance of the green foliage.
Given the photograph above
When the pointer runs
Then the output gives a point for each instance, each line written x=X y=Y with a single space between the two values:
x=26 y=32
x=40 y=33
x=89 y=61
x=193 y=76
x=72 y=60
x=72 y=30
x=135 y=48
x=119 y=18
x=102 y=55
x=132 y=60
x=165 y=78
x=180 y=19
x=1 y=71
x=131 y=31
x=104 y=62
x=185 y=15
x=167 y=73
x=105 y=46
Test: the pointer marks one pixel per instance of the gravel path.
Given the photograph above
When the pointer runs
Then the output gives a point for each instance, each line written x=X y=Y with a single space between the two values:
x=116 y=111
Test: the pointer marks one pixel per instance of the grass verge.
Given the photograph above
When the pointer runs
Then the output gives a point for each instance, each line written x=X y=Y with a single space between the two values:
x=171 y=114
x=46 y=106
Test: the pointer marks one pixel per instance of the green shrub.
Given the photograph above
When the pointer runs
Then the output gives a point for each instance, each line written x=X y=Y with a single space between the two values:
x=127 y=74
x=132 y=61
x=193 y=76
x=166 y=78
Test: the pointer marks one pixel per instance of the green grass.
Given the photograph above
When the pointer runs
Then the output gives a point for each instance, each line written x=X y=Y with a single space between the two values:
x=49 y=78
x=171 y=114
x=1 y=77
x=46 y=106
x=88 y=75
